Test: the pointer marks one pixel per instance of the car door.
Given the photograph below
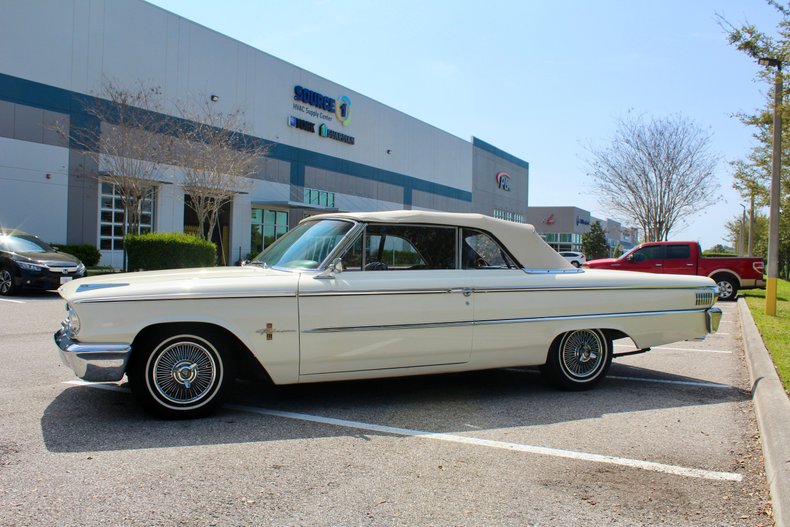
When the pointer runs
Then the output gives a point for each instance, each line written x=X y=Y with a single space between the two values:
x=678 y=260
x=501 y=301
x=649 y=259
x=400 y=302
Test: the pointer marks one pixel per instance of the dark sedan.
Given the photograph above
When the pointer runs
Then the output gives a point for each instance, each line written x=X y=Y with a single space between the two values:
x=28 y=263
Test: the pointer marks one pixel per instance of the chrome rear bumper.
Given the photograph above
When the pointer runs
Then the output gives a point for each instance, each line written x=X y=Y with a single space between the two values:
x=712 y=319
x=93 y=362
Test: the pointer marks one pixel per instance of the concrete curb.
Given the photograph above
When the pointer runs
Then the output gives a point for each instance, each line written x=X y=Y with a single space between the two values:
x=773 y=416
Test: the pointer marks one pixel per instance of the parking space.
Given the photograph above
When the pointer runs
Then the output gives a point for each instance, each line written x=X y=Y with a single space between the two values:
x=670 y=438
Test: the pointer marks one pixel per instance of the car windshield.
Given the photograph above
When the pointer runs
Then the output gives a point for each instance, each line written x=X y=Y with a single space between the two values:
x=16 y=243
x=305 y=246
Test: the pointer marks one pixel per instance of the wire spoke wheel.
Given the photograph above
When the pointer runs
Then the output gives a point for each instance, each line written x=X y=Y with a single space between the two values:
x=578 y=359
x=184 y=372
x=582 y=353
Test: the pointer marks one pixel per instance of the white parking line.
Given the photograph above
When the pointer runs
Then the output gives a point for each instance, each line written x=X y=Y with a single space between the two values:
x=12 y=301
x=453 y=438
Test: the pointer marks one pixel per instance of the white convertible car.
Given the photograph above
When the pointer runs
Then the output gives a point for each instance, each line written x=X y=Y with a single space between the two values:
x=365 y=295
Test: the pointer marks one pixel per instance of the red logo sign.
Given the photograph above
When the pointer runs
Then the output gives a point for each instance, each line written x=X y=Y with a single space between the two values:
x=503 y=181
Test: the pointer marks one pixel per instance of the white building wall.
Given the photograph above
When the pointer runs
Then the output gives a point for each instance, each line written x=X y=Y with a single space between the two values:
x=34 y=188
x=79 y=44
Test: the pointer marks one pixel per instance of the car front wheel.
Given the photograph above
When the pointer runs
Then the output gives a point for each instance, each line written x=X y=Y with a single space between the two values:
x=7 y=286
x=182 y=374
x=578 y=360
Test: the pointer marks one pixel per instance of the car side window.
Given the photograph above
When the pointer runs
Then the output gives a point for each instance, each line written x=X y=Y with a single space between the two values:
x=402 y=247
x=678 y=252
x=480 y=251
x=652 y=252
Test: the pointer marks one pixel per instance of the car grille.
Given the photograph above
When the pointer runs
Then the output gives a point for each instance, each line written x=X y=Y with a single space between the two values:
x=704 y=298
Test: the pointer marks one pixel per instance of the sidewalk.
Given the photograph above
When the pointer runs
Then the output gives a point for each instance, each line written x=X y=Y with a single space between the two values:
x=773 y=416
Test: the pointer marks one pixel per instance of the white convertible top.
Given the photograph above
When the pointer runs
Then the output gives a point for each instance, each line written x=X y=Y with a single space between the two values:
x=519 y=238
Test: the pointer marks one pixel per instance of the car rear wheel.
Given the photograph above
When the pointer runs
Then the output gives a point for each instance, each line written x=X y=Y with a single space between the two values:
x=182 y=374
x=7 y=286
x=727 y=288
x=578 y=360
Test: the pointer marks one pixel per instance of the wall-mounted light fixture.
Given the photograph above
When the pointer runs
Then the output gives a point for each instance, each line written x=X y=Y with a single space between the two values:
x=214 y=98
x=389 y=151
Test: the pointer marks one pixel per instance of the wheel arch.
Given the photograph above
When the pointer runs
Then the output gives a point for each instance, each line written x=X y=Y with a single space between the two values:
x=245 y=361
x=726 y=273
x=611 y=334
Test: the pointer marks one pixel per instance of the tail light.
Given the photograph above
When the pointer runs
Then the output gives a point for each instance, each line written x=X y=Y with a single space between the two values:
x=759 y=266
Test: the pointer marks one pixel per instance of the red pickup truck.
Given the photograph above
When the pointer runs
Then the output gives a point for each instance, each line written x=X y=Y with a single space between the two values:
x=729 y=273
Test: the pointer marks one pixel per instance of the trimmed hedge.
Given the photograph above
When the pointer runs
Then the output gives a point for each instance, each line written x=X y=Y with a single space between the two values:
x=168 y=250
x=87 y=253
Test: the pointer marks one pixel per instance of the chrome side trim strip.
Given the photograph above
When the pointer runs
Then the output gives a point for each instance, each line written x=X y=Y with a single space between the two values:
x=93 y=287
x=586 y=317
x=466 y=323
x=392 y=327
x=548 y=289
x=575 y=270
x=187 y=296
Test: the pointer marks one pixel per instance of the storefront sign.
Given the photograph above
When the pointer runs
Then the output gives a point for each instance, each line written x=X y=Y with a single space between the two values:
x=503 y=181
x=324 y=131
x=301 y=124
x=323 y=107
x=581 y=221
x=549 y=220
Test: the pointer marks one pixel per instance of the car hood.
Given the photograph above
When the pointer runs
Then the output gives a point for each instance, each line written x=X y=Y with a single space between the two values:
x=51 y=259
x=601 y=262
x=182 y=283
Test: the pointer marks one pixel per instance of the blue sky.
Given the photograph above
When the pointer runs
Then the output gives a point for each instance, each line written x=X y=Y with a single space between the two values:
x=541 y=80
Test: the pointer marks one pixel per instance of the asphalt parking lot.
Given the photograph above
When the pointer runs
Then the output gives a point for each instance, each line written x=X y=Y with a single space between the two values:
x=670 y=438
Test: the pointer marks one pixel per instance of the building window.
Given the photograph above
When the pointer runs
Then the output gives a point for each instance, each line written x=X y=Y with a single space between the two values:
x=111 y=217
x=319 y=198
x=267 y=226
x=509 y=216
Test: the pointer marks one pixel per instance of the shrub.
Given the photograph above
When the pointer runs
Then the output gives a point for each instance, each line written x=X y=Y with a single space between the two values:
x=168 y=250
x=87 y=253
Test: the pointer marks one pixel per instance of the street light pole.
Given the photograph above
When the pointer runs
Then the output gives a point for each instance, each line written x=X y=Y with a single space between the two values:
x=776 y=167
x=751 y=224
x=743 y=231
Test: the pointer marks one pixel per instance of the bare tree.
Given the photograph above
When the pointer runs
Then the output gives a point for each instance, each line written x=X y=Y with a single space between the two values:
x=217 y=158
x=125 y=134
x=656 y=173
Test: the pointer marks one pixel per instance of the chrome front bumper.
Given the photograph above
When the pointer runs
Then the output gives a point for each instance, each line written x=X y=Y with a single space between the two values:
x=93 y=362
x=712 y=319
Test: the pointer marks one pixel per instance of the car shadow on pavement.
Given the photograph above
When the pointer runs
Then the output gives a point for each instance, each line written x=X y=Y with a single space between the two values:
x=86 y=419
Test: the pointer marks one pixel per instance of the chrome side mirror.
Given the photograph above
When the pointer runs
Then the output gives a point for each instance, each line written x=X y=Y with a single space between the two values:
x=336 y=267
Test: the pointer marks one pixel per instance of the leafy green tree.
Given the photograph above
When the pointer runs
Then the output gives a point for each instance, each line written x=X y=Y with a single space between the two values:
x=594 y=243
x=753 y=173
x=759 y=234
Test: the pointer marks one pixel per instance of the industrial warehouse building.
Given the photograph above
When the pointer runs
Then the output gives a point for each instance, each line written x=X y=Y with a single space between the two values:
x=331 y=148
